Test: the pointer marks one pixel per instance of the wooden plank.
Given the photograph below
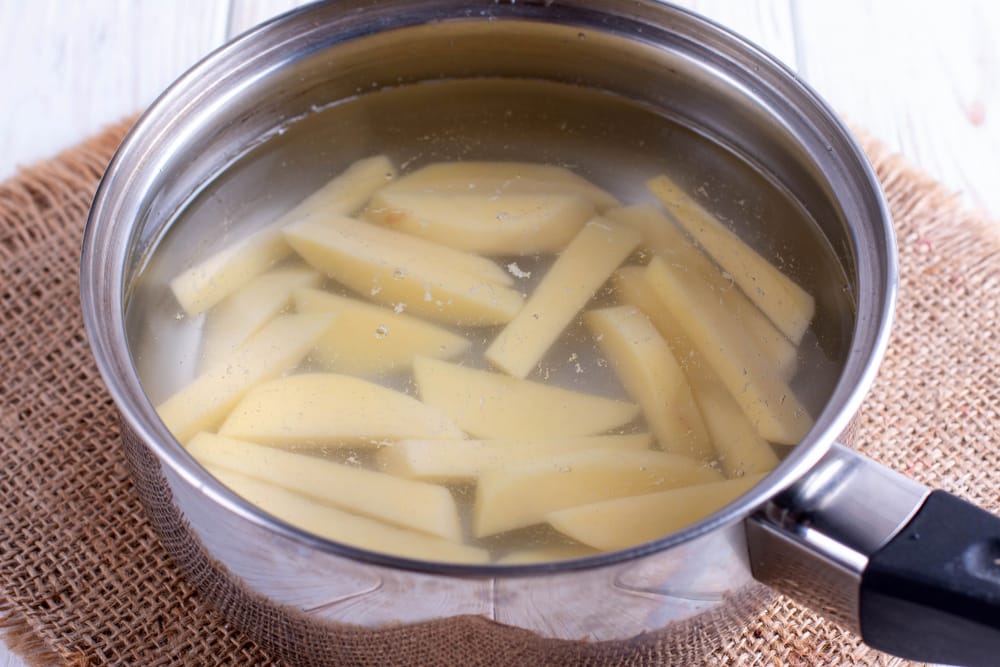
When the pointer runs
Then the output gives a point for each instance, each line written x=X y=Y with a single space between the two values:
x=100 y=62
x=923 y=79
x=245 y=14
x=766 y=23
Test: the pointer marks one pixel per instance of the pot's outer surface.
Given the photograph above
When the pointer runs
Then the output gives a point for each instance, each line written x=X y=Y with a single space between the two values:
x=295 y=591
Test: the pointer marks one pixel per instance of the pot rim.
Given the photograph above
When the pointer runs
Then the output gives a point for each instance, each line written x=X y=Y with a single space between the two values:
x=103 y=267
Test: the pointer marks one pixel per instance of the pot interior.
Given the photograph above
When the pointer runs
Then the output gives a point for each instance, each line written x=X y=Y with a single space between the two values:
x=617 y=96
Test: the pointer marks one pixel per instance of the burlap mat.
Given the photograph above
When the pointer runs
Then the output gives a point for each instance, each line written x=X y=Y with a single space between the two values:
x=84 y=581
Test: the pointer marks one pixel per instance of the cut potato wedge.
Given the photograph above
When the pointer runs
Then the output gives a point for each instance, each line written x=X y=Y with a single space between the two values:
x=327 y=409
x=519 y=496
x=202 y=286
x=764 y=396
x=546 y=554
x=402 y=502
x=666 y=240
x=393 y=268
x=741 y=450
x=569 y=284
x=789 y=306
x=369 y=340
x=206 y=284
x=651 y=375
x=491 y=405
x=249 y=308
x=625 y=522
x=501 y=178
x=464 y=460
x=509 y=224
x=739 y=447
x=347 y=528
x=278 y=346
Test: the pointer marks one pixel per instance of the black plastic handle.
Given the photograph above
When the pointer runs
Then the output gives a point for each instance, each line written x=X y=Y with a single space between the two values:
x=933 y=592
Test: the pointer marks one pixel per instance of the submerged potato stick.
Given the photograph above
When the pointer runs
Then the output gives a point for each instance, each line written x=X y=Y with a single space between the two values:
x=664 y=239
x=653 y=378
x=569 y=284
x=764 y=396
x=249 y=308
x=521 y=495
x=509 y=224
x=501 y=178
x=204 y=285
x=369 y=340
x=493 y=405
x=465 y=460
x=403 y=502
x=432 y=280
x=314 y=410
x=340 y=526
x=789 y=306
x=625 y=522
x=276 y=348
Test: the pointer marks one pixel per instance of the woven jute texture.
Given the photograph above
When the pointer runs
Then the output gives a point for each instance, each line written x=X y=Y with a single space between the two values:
x=84 y=580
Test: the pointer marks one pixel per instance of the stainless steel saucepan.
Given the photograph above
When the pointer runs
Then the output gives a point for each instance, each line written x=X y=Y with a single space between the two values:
x=913 y=571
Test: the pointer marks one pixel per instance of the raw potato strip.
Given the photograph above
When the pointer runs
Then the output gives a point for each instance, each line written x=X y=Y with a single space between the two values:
x=249 y=308
x=501 y=178
x=651 y=375
x=509 y=224
x=492 y=405
x=665 y=239
x=465 y=460
x=370 y=340
x=415 y=505
x=393 y=268
x=521 y=495
x=279 y=346
x=741 y=450
x=325 y=409
x=625 y=522
x=763 y=395
x=204 y=285
x=739 y=447
x=569 y=284
x=789 y=306
x=340 y=526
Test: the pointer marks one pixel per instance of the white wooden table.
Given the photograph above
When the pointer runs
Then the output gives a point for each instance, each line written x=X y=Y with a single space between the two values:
x=923 y=76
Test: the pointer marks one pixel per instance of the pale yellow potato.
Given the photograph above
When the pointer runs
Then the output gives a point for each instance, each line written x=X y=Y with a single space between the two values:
x=209 y=282
x=388 y=267
x=340 y=526
x=279 y=346
x=509 y=224
x=368 y=340
x=765 y=397
x=664 y=238
x=653 y=378
x=546 y=554
x=316 y=410
x=741 y=450
x=249 y=308
x=522 y=495
x=419 y=506
x=492 y=405
x=501 y=178
x=789 y=306
x=739 y=447
x=625 y=522
x=577 y=274
x=464 y=460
